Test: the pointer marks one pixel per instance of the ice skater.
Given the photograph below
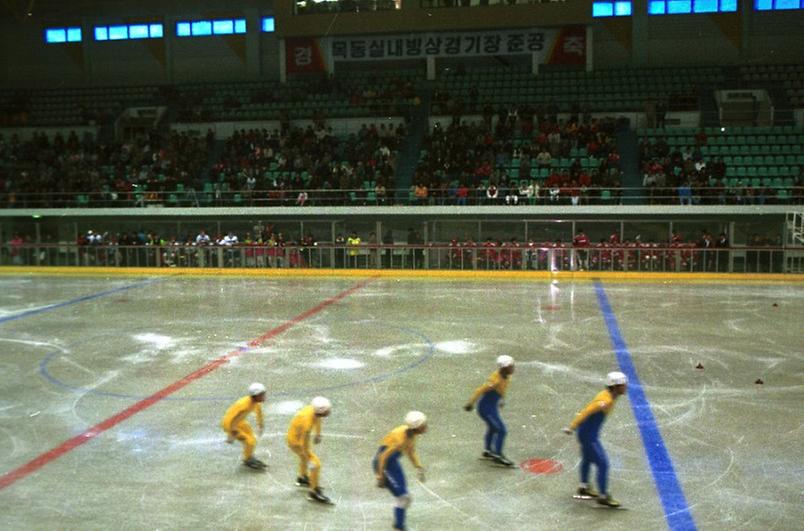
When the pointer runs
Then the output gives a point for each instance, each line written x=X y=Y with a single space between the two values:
x=308 y=420
x=235 y=425
x=588 y=423
x=389 y=470
x=492 y=395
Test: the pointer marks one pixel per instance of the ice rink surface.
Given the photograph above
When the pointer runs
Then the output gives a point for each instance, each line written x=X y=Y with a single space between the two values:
x=75 y=352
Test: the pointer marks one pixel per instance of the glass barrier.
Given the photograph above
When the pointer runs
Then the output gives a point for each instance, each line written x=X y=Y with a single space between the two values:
x=472 y=256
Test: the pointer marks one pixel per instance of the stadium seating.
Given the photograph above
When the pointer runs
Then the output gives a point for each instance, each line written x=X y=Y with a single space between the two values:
x=759 y=157
x=790 y=77
x=601 y=90
x=75 y=106
x=353 y=94
x=356 y=94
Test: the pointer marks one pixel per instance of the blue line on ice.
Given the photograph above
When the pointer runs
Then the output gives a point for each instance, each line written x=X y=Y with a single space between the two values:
x=84 y=298
x=676 y=510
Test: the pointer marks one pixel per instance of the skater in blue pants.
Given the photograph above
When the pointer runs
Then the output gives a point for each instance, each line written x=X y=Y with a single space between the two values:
x=387 y=467
x=588 y=423
x=491 y=395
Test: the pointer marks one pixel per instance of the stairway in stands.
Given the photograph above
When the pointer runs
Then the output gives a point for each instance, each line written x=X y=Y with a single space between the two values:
x=214 y=154
x=628 y=148
x=411 y=147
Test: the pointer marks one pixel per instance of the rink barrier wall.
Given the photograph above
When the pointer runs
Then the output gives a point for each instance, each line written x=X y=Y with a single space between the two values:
x=403 y=274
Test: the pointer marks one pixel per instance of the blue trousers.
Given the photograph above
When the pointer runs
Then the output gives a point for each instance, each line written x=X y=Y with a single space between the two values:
x=495 y=432
x=394 y=481
x=592 y=453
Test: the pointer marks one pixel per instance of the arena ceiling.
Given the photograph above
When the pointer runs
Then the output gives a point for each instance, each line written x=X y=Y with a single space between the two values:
x=61 y=9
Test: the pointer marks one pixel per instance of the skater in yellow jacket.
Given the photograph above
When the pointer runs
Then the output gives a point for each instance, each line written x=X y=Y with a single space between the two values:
x=235 y=425
x=306 y=422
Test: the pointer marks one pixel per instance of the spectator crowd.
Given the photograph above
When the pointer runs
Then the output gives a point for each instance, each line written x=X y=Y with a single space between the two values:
x=683 y=175
x=492 y=161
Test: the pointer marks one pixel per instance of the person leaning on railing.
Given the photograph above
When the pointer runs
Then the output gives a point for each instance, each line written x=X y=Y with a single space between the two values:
x=353 y=241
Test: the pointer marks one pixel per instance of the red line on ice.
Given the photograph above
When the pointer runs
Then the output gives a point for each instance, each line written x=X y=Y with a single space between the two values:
x=9 y=478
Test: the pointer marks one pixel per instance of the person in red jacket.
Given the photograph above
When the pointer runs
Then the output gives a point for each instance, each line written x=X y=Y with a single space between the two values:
x=581 y=243
x=455 y=254
x=489 y=254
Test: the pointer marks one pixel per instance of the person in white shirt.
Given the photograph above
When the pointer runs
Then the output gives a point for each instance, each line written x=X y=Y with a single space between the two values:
x=229 y=240
x=202 y=238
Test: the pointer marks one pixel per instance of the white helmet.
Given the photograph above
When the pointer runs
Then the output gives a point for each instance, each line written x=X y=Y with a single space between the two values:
x=415 y=419
x=321 y=405
x=505 y=361
x=616 y=378
x=256 y=389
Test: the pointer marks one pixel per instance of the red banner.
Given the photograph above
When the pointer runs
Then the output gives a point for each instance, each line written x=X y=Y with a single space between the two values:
x=570 y=47
x=303 y=55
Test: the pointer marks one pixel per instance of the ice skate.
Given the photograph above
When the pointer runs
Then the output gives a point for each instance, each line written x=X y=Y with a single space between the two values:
x=585 y=493
x=608 y=501
x=502 y=460
x=317 y=496
x=254 y=463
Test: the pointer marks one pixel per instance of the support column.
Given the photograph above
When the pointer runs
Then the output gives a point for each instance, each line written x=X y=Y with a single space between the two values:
x=534 y=64
x=283 y=68
x=326 y=50
x=590 y=58
x=431 y=68
x=640 y=38
x=169 y=29
x=253 y=48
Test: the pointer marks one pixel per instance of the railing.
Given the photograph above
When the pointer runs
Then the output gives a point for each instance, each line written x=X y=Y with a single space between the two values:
x=436 y=256
x=739 y=195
